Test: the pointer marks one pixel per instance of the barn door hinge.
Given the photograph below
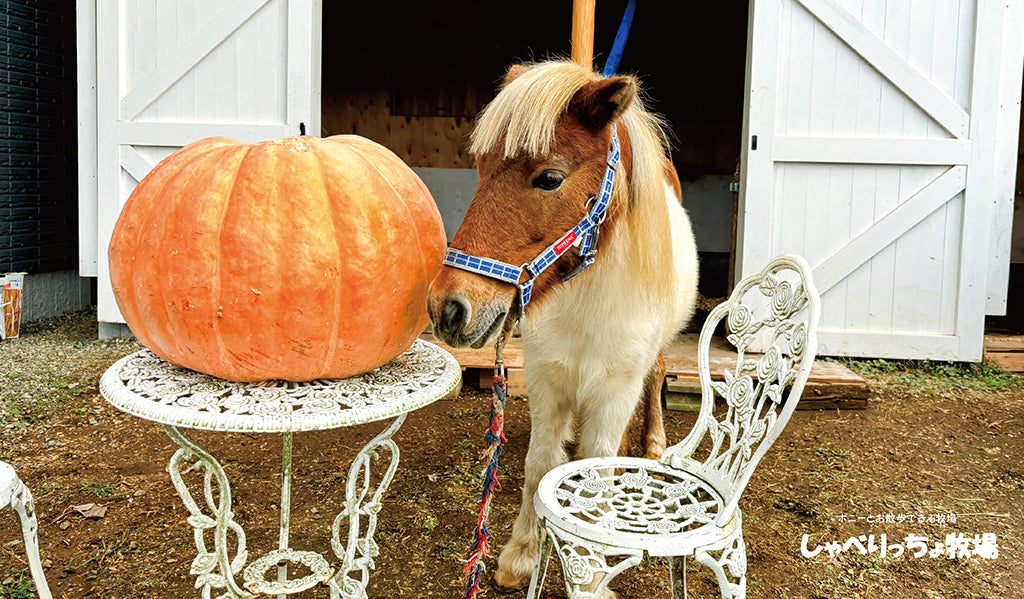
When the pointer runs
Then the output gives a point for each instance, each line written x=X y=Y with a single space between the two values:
x=753 y=143
x=302 y=128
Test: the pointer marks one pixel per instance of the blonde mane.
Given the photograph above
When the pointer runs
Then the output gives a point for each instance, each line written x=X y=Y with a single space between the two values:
x=524 y=116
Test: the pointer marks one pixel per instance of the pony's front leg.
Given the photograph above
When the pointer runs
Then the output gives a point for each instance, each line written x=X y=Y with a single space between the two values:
x=647 y=418
x=606 y=407
x=654 y=440
x=550 y=428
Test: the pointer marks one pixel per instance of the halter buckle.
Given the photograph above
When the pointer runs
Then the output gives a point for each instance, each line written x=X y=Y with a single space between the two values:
x=598 y=220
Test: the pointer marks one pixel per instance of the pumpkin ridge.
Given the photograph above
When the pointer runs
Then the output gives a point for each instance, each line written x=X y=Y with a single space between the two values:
x=332 y=347
x=405 y=206
x=420 y=218
x=141 y=226
x=407 y=212
x=386 y=154
x=175 y=337
x=218 y=278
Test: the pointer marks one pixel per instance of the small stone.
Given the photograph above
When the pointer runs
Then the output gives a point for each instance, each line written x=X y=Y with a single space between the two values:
x=140 y=492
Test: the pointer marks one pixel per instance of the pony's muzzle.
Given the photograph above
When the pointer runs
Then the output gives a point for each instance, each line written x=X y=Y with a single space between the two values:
x=452 y=317
x=456 y=323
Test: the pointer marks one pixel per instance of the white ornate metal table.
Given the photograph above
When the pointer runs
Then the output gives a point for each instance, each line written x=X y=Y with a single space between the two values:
x=146 y=386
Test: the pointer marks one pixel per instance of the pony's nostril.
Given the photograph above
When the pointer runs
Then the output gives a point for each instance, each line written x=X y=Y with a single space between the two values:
x=455 y=315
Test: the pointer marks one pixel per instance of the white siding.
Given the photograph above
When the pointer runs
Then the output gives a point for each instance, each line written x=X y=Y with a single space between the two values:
x=875 y=122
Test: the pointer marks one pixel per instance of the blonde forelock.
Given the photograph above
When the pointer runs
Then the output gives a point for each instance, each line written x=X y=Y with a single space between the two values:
x=524 y=115
x=525 y=112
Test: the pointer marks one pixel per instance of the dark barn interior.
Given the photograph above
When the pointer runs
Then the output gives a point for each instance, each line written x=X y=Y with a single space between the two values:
x=416 y=84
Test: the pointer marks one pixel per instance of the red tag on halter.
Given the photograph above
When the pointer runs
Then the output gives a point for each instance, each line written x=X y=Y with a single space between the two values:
x=564 y=243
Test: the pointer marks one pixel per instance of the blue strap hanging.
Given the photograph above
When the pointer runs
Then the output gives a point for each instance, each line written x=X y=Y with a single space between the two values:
x=611 y=66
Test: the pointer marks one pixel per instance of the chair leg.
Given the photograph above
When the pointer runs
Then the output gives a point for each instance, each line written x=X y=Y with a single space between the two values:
x=585 y=568
x=21 y=501
x=677 y=576
x=730 y=567
x=540 y=568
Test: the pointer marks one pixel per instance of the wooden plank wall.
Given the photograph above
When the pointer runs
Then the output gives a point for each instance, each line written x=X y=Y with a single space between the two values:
x=426 y=141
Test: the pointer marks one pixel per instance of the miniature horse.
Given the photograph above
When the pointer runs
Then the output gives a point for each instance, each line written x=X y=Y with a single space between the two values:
x=588 y=343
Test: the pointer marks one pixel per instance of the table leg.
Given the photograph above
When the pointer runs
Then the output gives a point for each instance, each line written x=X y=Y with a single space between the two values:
x=286 y=505
x=214 y=569
x=344 y=584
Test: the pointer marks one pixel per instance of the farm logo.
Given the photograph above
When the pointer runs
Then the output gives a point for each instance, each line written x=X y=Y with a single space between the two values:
x=956 y=545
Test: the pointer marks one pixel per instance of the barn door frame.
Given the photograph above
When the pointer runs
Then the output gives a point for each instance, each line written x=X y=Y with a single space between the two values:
x=110 y=127
x=970 y=170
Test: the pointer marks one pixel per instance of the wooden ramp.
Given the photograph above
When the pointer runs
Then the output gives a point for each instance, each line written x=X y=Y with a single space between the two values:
x=829 y=386
x=1006 y=350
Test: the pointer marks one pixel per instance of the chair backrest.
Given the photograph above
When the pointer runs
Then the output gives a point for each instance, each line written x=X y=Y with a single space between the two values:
x=774 y=315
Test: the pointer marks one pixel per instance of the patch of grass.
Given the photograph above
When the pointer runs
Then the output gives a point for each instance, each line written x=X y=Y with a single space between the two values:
x=63 y=390
x=429 y=523
x=20 y=414
x=96 y=489
x=18 y=586
x=47 y=489
x=933 y=377
x=473 y=413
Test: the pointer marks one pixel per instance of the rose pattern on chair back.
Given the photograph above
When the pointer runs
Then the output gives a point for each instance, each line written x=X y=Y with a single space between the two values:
x=770 y=322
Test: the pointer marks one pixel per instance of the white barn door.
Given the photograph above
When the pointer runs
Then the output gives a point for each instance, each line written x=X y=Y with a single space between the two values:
x=170 y=72
x=870 y=133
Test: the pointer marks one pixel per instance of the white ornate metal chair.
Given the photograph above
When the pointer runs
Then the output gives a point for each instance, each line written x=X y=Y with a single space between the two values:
x=14 y=493
x=602 y=514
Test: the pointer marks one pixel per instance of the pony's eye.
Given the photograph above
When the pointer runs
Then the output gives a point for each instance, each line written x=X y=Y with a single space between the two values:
x=549 y=180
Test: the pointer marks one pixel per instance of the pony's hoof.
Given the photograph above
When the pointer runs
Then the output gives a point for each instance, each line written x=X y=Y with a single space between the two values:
x=654 y=452
x=515 y=566
x=503 y=590
x=506 y=582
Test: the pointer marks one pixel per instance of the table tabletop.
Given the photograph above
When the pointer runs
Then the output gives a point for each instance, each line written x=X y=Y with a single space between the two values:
x=149 y=387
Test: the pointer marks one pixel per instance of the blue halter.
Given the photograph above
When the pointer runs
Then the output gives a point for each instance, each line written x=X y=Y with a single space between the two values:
x=583 y=235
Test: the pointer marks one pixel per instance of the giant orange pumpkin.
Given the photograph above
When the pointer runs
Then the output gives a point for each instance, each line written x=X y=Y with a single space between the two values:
x=295 y=259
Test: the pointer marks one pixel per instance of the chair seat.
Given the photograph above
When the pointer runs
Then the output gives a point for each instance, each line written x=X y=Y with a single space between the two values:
x=9 y=483
x=633 y=503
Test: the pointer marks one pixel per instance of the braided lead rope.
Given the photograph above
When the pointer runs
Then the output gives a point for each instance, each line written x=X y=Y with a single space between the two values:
x=494 y=438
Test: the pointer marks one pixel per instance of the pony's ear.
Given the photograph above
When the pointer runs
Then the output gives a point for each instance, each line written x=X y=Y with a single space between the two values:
x=601 y=102
x=514 y=71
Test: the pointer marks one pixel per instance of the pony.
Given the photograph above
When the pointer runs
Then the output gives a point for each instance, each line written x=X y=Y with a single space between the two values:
x=592 y=344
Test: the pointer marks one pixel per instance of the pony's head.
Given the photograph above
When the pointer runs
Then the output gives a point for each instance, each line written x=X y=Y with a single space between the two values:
x=541 y=148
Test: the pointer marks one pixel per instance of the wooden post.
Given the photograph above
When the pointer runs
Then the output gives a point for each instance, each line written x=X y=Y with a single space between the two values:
x=583 y=32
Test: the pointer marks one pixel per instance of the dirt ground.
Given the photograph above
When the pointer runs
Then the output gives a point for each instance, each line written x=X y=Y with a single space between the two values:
x=939 y=458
